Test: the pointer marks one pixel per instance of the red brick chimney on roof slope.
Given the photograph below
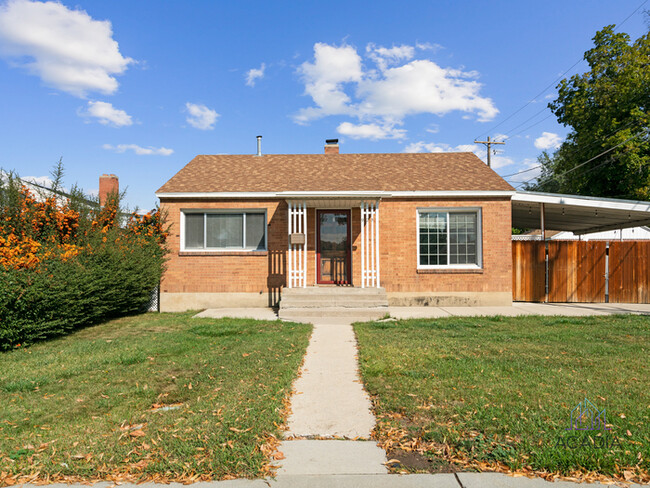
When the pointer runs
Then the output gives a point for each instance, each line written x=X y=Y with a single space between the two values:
x=107 y=184
x=331 y=146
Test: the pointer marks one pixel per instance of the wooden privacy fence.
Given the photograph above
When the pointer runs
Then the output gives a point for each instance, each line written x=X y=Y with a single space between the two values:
x=581 y=271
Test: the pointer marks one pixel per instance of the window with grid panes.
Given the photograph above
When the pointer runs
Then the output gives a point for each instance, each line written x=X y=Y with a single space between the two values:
x=448 y=238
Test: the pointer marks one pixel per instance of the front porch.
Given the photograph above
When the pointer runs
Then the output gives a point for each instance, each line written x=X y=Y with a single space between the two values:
x=333 y=241
x=333 y=301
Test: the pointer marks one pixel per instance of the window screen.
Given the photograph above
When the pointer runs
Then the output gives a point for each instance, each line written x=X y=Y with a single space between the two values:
x=255 y=230
x=224 y=230
x=194 y=231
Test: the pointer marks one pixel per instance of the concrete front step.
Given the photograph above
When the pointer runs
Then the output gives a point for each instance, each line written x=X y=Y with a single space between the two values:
x=335 y=296
x=333 y=290
x=358 y=301
x=363 y=313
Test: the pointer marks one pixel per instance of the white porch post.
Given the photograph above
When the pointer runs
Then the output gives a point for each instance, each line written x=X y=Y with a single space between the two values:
x=377 y=240
x=289 y=249
x=297 y=253
x=362 y=234
x=304 y=264
x=369 y=234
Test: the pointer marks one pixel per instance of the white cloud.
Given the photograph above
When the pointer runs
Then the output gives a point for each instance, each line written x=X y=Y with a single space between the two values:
x=139 y=150
x=384 y=57
x=67 y=49
x=439 y=147
x=422 y=86
x=200 y=116
x=324 y=80
x=401 y=86
x=548 y=140
x=255 y=73
x=501 y=161
x=370 y=131
x=427 y=46
x=106 y=114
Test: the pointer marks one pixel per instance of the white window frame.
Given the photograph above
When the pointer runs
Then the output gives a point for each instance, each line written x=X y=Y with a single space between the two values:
x=479 y=237
x=238 y=211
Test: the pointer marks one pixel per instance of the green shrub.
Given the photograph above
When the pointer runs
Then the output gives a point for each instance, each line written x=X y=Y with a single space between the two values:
x=83 y=269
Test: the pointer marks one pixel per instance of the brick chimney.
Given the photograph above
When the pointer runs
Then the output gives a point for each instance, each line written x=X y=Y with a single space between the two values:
x=331 y=146
x=107 y=184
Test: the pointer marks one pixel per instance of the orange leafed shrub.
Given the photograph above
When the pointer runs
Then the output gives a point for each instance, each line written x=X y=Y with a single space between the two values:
x=66 y=263
x=36 y=230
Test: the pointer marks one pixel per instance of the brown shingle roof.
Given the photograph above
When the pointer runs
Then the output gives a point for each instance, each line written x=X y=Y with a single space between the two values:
x=336 y=172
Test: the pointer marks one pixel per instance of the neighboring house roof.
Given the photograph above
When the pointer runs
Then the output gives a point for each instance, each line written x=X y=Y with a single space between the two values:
x=335 y=172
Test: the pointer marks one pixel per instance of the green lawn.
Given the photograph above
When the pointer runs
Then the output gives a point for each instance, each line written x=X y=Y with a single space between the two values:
x=155 y=396
x=497 y=393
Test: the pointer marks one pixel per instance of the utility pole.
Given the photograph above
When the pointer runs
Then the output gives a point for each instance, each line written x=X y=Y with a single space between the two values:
x=488 y=143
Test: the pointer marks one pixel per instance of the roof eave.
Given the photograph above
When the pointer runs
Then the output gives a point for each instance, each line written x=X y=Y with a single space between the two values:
x=336 y=194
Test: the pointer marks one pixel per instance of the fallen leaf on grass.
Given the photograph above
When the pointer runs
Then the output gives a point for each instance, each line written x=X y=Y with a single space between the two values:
x=239 y=431
x=137 y=433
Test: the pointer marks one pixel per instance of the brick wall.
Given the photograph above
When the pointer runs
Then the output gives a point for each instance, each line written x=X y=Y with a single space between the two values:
x=398 y=249
x=218 y=272
x=265 y=272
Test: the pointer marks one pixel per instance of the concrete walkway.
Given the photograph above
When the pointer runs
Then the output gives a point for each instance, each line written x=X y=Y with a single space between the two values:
x=517 y=308
x=462 y=480
x=522 y=308
x=329 y=402
x=330 y=405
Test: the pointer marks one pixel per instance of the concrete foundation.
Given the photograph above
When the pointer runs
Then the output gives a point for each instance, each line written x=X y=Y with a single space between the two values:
x=449 y=299
x=180 y=302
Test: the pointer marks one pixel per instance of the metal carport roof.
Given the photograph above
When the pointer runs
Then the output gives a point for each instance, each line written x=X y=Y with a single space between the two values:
x=578 y=214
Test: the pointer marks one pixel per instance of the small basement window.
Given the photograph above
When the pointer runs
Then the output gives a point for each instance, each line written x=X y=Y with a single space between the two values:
x=449 y=238
x=237 y=230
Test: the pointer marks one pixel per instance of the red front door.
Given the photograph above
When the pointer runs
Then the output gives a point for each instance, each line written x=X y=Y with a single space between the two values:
x=333 y=246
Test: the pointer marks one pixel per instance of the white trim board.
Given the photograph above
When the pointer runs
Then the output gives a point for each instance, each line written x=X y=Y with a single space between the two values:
x=335 y=194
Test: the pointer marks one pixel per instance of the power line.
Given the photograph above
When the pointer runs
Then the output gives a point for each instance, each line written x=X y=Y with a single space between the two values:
x=553 y=82
x=533 y=99
x=575 y=150
x=586 y=162
x=507 y=134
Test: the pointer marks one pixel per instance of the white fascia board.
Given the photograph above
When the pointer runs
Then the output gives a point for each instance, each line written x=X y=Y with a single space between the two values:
x=460 y=193
x=234 y=194
x=581 y=201
x=333 y=194
x=337 y=194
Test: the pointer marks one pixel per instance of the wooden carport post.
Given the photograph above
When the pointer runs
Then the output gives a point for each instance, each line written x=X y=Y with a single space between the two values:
x=542 y=214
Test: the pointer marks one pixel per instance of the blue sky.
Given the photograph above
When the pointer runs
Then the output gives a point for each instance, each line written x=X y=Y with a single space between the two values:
x=139 y=88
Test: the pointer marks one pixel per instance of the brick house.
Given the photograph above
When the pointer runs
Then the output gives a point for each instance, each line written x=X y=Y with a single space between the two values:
x=431 y=229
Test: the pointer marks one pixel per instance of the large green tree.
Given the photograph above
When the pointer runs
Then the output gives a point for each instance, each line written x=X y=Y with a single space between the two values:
x=606 y=109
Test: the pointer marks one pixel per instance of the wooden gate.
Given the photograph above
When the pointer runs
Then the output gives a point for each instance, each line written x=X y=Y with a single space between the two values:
x=581 y=271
